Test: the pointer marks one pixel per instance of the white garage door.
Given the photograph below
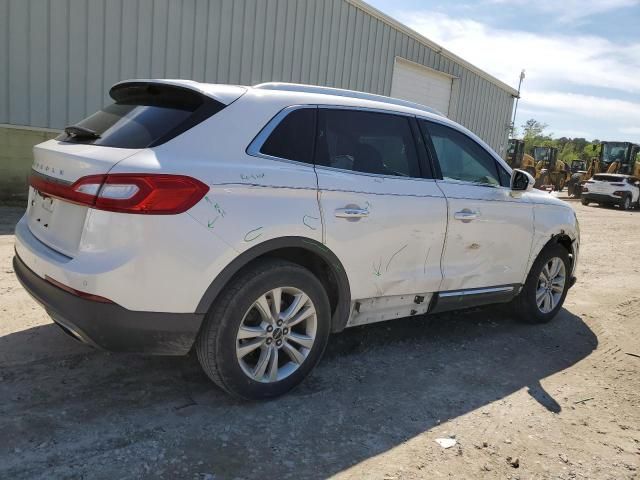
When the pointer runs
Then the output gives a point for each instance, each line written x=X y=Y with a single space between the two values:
x=421 y=85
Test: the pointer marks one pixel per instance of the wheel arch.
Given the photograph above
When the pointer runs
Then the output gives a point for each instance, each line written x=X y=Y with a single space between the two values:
x=559 y=238
x=313 y=255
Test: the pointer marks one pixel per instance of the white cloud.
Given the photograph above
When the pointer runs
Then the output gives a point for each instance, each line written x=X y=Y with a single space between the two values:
x=606 y=109
x=570 y=10
x=631 y=130
x=554 y=65
x=580 y=60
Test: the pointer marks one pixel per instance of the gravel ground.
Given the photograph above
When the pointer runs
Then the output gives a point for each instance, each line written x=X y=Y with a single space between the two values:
x=554 y=401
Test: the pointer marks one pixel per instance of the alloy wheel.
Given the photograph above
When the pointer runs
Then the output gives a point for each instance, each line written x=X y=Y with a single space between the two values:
x=551 y=284
x=276 y=334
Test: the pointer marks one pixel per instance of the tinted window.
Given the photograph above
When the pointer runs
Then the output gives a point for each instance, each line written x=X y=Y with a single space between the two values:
x=292 y=139
x=461 y=158
x=143 y=115
x=366 y=142
x=608 y=178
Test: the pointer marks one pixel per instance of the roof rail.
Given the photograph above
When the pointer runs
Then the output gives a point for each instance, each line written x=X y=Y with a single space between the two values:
x=339 y=92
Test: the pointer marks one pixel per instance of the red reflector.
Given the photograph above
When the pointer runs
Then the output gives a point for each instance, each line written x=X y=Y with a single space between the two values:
x=77 y=293
x=155 y=194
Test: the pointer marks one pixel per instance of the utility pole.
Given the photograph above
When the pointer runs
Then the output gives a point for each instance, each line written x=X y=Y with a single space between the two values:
x=515 y=110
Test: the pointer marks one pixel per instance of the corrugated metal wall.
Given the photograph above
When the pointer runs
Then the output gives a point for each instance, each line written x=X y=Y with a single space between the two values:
x=59 y=57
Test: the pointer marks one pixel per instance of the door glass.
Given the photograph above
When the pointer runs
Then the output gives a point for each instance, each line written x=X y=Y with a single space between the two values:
x=292 y=139
x=505 y=178
x=460 y=157
x=367 y=142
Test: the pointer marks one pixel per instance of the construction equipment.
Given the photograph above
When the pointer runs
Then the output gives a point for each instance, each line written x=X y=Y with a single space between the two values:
x=620 y=157
x=516 y=158
x=551 y=173
x=614 y=157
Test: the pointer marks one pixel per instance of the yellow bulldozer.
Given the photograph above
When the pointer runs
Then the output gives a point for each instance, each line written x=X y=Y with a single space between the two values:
x=516 y=158
x=551 y=173
x=614 y=157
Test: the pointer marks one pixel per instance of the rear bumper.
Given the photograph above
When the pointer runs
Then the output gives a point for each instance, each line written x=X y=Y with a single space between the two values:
x=110 y=326
x=601 y=197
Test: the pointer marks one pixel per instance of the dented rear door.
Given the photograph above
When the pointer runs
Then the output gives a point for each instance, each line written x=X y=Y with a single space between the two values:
x=381 y=217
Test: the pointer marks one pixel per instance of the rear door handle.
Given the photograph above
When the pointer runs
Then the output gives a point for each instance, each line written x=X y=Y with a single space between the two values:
x=351 y=212
x=466 y=215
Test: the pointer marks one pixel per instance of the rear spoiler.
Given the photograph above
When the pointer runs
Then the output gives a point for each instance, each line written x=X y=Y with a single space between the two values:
x=225 y=94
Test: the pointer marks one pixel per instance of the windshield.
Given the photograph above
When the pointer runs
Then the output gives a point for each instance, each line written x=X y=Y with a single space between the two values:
x=541 y=154
x=614 y=152
x=577 y=165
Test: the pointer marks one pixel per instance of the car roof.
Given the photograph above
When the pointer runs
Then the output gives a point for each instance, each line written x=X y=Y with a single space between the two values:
x=343 y=93
x=293 y=93
x=228 y=93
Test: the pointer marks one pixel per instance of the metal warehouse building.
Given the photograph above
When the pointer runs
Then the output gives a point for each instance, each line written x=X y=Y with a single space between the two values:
x=59 y=58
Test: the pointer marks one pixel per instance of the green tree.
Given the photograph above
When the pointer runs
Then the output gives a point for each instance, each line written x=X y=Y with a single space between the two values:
x=534 y=135
x=533 y=128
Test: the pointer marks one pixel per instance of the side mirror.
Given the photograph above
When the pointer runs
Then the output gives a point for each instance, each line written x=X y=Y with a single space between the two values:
x=521 y=181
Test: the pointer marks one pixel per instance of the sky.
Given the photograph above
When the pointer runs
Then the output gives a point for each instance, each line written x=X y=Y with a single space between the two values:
x=581 y=57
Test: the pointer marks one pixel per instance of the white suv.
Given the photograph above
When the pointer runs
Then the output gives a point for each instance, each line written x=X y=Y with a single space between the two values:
x=612 y=189
x=250 y=222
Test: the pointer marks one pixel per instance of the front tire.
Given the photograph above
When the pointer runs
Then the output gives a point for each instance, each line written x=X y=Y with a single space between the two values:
x=626 y=203
x=266 y=331
x=546 y=286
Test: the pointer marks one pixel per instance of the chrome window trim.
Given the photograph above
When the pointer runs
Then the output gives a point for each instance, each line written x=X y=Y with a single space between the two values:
x=376 y=175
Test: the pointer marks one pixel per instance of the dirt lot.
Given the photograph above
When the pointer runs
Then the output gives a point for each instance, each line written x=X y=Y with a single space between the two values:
x=555 y=401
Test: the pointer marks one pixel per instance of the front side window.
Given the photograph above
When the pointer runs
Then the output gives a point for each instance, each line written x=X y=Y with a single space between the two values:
x=367 y=142
x=293 y=138
x=461 y=158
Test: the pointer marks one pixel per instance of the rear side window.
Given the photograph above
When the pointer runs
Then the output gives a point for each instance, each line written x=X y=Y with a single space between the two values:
x=608 y=178
x=367 y=142
x=460 y=158
x=143 y=115
x=293 y=138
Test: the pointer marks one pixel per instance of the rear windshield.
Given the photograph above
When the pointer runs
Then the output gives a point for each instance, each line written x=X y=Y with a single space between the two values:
x=608 y=178
x=143 y=115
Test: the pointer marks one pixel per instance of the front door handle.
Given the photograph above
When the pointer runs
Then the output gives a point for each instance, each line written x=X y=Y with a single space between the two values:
x=466 y=215
x=351 y=212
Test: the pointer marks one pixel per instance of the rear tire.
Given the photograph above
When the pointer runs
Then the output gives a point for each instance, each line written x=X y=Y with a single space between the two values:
x=237 y=347
x=546 y=286
x=584 y=201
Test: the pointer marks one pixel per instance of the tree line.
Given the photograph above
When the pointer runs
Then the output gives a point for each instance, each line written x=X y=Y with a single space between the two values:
x=569 y=149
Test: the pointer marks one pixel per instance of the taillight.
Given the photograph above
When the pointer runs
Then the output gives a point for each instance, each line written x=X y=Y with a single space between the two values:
x=155 y=194
x=585 y=189
x=618 y=193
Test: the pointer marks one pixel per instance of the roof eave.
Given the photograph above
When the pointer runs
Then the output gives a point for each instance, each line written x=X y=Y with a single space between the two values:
x=365 y=7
